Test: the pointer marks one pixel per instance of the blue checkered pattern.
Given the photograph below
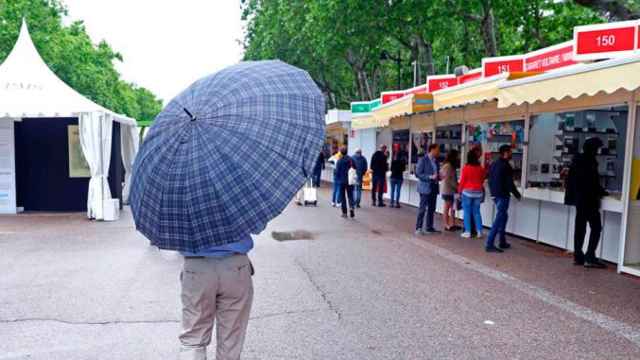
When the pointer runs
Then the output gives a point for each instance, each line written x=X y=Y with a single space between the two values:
x=257 y=131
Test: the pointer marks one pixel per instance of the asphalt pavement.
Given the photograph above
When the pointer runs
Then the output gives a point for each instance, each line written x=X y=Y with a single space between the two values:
x=365 y=288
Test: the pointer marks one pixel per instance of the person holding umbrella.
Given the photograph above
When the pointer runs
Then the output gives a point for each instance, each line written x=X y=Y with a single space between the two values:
x=215 y=168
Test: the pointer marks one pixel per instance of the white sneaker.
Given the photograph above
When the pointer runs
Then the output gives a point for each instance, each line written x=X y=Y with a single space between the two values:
x=333 y=204
x=479 y=235
x=466 y=235
x=193 y=354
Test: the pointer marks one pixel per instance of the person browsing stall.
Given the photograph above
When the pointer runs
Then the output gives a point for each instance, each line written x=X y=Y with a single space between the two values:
x=502 y=187
x=471 y=188
x=428 y=175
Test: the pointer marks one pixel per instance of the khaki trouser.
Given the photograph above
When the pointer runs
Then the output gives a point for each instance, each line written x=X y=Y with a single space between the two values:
x=220 y=290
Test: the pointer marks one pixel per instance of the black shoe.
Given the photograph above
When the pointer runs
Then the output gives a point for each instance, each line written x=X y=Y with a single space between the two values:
x=374 y=204
x=381 y=205
x=358 y=206
x=432 y=231
x=578 y=262
x=595 y=264
x=352 y=213
x=344 y=215
x=493 y=249
x=397 y=206
x=504 y=246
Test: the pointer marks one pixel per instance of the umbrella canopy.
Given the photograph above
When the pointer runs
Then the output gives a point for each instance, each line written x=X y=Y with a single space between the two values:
x=227 y=155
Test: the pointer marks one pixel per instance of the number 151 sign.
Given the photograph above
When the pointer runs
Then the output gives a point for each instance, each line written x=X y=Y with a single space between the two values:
x=604 y=41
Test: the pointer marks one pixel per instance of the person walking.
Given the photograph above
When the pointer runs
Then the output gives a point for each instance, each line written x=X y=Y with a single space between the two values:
x=428 y=175
x=398 y=167
x=317 y=170
x=471 y=188
x=584 y=191
x=342 y=179
x=335 y=197
x=361 y=166
x=502 y=187
x=379 y=168
x=449 y=188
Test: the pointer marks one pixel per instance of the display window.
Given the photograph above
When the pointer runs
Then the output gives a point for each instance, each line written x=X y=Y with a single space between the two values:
x=419 y=144
x=555 y=138
x=449 y=138
x=490 y=136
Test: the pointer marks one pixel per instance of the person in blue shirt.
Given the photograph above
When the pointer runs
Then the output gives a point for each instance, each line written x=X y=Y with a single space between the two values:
x=216 y=287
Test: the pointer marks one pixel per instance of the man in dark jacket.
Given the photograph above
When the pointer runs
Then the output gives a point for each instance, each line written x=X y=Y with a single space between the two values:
x=379 y=168
x=502 y=186
x=342 y=179
x=361 y=166
x=584 y=191
x=317 y=169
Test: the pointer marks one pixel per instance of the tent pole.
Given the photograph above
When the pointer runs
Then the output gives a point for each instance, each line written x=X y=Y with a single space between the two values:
x=101 y=118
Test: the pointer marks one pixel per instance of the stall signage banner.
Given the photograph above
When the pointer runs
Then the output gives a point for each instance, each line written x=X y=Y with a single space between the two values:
x=499 y=65
x=359 y=107
x=550 y=58
x=439 y=82
x=604 y=41
x=389 y=96
x=422 y=89
x=470 y=76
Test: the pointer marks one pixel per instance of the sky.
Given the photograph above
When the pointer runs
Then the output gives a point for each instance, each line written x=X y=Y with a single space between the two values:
x=166 y=45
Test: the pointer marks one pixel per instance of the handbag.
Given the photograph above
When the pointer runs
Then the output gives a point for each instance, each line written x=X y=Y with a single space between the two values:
x=353 y=177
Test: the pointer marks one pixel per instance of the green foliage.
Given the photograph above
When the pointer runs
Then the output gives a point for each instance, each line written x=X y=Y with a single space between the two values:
x=70 y=53
x=341 y=42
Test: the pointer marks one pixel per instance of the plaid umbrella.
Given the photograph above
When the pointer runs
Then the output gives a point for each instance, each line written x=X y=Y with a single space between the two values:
x=227 y=155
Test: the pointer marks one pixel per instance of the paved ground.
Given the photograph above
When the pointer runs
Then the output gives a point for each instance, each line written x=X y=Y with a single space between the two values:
x=361 y=289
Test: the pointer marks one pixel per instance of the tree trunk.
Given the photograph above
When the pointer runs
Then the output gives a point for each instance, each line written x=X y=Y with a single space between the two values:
x=488 y=25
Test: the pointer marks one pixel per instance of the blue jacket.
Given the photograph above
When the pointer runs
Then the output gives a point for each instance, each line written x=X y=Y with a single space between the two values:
x=424 y=171
x=361 y=165
x=342 y=170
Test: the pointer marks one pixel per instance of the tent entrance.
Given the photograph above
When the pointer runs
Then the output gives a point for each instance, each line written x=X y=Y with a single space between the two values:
x=49 y=175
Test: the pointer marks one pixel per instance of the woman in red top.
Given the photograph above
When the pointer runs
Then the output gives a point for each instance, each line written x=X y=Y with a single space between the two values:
x=471 y=188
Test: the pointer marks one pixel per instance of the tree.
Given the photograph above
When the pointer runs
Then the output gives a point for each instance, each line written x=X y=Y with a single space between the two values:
x=614 y=10
x=74 y=58
x=345 y=44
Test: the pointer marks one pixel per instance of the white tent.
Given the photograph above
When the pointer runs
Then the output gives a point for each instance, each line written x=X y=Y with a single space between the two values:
x=28 y=88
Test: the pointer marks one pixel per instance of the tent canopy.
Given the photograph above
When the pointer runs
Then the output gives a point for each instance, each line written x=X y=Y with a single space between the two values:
x=28 y=88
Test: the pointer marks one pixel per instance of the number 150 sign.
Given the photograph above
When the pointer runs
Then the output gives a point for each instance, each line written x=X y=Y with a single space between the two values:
x=604 y=41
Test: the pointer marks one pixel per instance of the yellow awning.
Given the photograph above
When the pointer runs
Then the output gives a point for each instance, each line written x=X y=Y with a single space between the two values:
x=364 y=122
x=398 y=107
x=404 y=106
x=474 y=92
x=591 y=79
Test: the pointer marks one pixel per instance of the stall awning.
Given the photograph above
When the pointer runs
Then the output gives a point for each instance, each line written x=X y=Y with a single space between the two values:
x=474 y=92
x=591 y=79
x=365 y=121
x=409 y=104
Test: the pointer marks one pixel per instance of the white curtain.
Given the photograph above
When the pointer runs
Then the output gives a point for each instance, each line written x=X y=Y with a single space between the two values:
x=95 y=138
x=129 y=140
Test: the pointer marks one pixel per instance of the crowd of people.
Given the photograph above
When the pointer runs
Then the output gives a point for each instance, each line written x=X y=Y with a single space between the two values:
x=438 y=178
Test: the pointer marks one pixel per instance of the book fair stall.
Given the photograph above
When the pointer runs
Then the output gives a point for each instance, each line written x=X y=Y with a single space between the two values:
x=544 y=104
